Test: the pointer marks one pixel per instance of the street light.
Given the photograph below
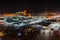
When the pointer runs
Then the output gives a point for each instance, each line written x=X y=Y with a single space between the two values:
x=1 y=34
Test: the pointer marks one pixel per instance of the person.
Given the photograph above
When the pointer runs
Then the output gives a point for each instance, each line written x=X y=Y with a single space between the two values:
x=47 y=32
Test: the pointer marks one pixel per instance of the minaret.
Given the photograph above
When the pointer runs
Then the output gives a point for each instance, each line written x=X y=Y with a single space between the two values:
x=29 y=15
x=24 y=13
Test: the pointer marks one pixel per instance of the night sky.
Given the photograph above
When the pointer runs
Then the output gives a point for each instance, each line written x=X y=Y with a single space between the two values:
x=33 y=6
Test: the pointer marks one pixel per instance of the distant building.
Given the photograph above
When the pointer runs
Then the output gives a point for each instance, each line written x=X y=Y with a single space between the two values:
x=12 y=14
x=19 y=13
x=8 y=14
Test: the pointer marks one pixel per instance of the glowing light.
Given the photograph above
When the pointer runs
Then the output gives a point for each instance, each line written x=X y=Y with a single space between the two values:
x=9 y=14
x=29 y=15
x=24 y=13
x=19 y=34
x=1 y=34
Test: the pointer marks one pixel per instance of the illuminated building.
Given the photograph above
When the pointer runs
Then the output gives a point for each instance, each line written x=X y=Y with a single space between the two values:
x=29 y=15
x=24 y=13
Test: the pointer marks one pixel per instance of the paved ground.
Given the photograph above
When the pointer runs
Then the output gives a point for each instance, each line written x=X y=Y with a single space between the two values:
x=39 y=37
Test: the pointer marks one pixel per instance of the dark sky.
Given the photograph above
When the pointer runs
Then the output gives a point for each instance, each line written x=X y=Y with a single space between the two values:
x=33 y=6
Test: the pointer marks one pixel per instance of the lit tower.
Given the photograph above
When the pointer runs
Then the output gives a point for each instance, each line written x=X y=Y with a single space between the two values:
x=29 y=15
x=24 y=13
